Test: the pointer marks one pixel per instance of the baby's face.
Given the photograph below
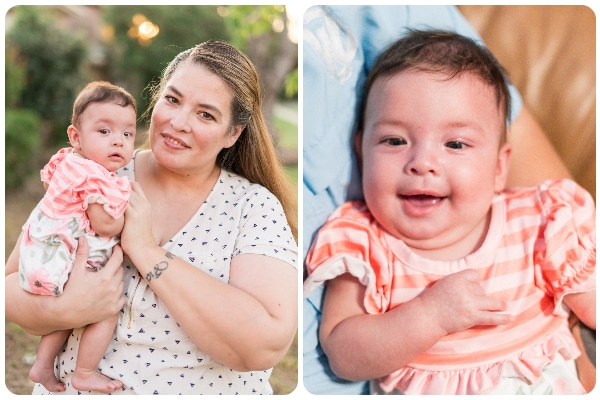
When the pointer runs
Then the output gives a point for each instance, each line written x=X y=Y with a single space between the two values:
x=106 y=134
x=432 y=160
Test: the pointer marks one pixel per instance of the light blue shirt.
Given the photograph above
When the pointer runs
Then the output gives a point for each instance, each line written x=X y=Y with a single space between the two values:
x=340 y=46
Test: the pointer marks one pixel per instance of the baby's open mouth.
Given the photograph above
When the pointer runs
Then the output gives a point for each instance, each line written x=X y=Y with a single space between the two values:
x=422 y=200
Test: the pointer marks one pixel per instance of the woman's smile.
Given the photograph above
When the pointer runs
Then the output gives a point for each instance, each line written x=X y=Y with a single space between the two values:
x=174 y=143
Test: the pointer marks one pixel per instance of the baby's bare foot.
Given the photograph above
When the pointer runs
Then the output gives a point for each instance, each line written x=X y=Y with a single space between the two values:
x=45 y=376
x=94 y=381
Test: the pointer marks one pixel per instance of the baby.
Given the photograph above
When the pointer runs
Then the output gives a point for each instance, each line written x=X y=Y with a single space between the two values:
x=441 y=281
x=83 y=198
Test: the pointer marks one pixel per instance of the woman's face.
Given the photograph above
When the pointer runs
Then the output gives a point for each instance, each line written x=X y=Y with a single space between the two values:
x=191 y=122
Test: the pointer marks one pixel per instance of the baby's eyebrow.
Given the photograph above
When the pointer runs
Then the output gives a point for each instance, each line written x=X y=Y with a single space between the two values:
x=389 y=122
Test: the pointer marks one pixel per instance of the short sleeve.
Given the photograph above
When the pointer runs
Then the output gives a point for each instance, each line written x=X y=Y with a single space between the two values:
x=264 y=229
x=348 y=243
x=107 y=189
x=49 y=169
x=565 y=254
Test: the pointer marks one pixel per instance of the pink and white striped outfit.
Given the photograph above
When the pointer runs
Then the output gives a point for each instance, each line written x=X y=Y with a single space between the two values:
x=541 y=245
x=50 y=234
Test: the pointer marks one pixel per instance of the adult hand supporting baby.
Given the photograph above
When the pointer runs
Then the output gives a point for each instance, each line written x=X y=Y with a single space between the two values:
x=87 y=297
x=92 y=296
x=458 y=302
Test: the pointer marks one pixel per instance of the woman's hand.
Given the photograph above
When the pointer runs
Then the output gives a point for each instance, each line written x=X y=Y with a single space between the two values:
x=458 y=302
x=93 y=296
x=246 y=324
x=87 y=297
x=137 y=232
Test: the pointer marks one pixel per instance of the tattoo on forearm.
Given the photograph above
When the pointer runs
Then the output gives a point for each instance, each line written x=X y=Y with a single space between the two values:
x=159 y=268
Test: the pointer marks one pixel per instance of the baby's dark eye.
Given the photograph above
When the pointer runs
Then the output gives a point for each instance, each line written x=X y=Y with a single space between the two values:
x=104 y=131
x=455 y=145
x=395 y=141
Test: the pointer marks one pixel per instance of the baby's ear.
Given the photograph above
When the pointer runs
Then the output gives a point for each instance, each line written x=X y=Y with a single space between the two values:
x=357 y=145
x=74 y=138
x=502 y=166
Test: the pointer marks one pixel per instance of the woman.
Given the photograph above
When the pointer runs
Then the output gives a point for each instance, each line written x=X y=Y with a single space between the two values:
x=210 y=276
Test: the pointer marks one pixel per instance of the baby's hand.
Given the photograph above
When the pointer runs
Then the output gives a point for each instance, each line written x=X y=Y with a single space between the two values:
x=458 y=302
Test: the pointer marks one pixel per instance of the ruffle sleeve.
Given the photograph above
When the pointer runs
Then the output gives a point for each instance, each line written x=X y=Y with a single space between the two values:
x=107 y=189
x=47 y=172
x=565 y=253
x=349 y=243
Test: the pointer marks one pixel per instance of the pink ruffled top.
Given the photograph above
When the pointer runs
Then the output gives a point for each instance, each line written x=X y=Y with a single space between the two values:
x=74 y=182
x=540 y=246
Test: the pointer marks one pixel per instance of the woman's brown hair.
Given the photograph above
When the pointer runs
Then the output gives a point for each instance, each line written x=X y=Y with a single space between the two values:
x=254 y=155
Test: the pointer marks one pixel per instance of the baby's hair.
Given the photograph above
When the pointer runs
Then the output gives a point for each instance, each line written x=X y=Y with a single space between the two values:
x=441 y=52
x=100 y=92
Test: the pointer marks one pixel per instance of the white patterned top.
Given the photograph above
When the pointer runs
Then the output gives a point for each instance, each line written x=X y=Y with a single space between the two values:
x=150 y=353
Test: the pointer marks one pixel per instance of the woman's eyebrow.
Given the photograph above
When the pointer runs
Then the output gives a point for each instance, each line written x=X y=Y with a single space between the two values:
x=208 y=106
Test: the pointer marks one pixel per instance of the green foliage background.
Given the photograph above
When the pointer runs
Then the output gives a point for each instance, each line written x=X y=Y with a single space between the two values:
x=46 y=64
x=140 y=64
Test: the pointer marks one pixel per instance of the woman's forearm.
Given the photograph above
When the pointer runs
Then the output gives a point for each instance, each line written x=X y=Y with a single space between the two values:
x=88 y=296
x=31 y=312
x=227 y=322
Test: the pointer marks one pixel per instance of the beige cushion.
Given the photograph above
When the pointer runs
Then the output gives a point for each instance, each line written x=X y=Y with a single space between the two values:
x=550 y=55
